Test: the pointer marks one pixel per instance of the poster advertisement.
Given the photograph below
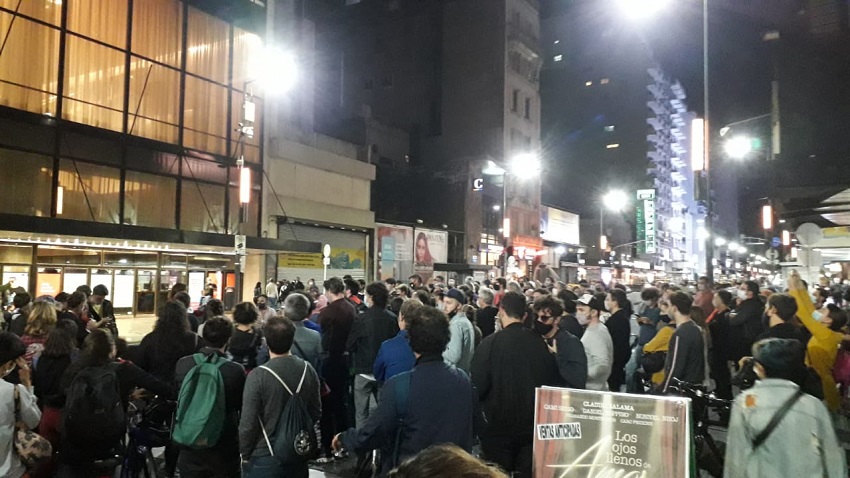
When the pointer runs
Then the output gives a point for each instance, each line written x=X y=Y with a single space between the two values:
x=579 y=433
x=557 y=225
x=304 y=265
x=431 y=247
x=395 y=251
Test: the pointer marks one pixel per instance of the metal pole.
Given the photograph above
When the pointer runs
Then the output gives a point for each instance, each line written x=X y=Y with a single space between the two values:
x=601 y=227
x=709 y=207
x=504 y=216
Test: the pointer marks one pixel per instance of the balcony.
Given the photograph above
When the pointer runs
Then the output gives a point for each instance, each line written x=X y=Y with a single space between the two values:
x=523 y=40
x=678 y=134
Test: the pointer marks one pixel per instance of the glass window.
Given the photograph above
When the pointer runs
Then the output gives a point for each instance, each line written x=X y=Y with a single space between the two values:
x=149 y=200
x=247 y=51
x=49 y=11
x=103 y=20
x=157 y=30
x=29 y=65
x=207 y=46
x=94 y=84
x=204 y=170
x=154 y=101
x=145 y=159
x=202 y=207
x=90 y=195
x=205 y=119
x=27 y=183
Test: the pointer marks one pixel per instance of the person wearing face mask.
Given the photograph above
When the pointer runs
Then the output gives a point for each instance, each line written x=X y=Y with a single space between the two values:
x=462 y=343
x=506 y=369
x=718 y=353
x=598 y=346
x=619 y=326
x=266 y=312
x=12 y=351
x=746 y=321
x=822 y=349
x=568 y=350
x=369 y=331
x=704 y=296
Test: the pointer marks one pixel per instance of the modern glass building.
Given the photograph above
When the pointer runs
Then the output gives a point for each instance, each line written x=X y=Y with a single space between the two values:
x=118 y=144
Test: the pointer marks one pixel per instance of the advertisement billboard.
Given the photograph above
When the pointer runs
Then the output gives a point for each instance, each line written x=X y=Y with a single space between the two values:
x=394 y=245
x=646 y=223
x=557 y=225
x=579 y=433
x=429 y=248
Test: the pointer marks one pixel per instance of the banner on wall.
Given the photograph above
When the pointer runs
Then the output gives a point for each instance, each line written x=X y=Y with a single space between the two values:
x=430 y=247
x=309 y=265
x=395 y=251
x=579 y=433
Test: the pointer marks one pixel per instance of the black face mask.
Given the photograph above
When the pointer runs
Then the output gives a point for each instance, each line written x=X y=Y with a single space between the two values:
x=262 y=306
x=542 y=328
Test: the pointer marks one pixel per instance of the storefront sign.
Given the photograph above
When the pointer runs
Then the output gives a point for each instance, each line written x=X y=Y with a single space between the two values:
x=646 y=221
x=579 y=434
x=560 y=226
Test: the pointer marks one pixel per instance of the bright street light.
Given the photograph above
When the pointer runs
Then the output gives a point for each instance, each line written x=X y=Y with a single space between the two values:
x=642 y=8
x=274 y=70
x=742 y=250
x=615 y=200
x=525 y=165
x=720 y=242
x=733 y=246
x=738 y=147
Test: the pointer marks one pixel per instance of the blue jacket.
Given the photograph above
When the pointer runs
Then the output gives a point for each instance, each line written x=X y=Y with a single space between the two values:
x=442 y=407
x=394 y=357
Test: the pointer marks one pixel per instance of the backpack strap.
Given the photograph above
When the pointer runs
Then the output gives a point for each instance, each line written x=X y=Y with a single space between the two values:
x=278 y=378
x=774 y=422
x=303 y=374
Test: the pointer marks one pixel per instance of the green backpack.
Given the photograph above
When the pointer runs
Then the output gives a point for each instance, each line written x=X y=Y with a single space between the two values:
x=200 y=407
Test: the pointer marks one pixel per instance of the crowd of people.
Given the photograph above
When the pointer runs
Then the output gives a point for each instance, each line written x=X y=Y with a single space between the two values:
x=314 y=373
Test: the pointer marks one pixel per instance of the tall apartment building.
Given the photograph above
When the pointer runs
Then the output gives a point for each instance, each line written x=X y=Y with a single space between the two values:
x=442 y=93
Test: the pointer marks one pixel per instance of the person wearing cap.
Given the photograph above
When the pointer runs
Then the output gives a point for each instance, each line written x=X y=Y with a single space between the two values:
x=462 y=342
x=803 y=440
x=597 y=342
x=507 y=368
x=12 y=351
x=101 y=310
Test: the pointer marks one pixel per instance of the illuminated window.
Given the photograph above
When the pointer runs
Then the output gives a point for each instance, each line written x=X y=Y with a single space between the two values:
x=559 y=57
x=157 y=30
x=27 y=183
x=247 y=55
x=205 y=116
x=207 y=46
x=94 y=84
x=588 y=83
x=49 y=11
x=609 y=129
x=103 y=20
x=202 y=207
x=154 y=101
x=29 y=65
x=604 y=81
x=613 y=146
x=91 y=195
x=149 y=200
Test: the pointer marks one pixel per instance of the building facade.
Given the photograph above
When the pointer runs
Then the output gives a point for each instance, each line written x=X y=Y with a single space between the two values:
x=120 y=141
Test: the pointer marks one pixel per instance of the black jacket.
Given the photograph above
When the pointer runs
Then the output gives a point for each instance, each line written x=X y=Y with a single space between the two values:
x=369 y=331
x=620 y=329
x=572 y=361
x=571 y=325
x=746 y=325
x=107 y=311
x=158 y=355
x=336 y=321
x=506 y=369
x=721 y=339
x=486 y=320
x=442 y=407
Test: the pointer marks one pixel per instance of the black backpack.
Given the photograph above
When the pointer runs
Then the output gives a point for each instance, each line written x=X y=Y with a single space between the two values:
x=294 y=440
x=93 y=413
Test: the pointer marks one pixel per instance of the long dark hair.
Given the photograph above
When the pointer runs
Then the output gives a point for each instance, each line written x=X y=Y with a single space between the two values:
x=97 y=349
x=62 y=340
x=169 y=341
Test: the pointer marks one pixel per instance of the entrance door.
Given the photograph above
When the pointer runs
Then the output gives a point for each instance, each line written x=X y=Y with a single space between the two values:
x=145 y=291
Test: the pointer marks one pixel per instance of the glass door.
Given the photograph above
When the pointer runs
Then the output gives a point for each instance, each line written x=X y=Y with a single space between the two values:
x=123 y=293
x=145 y=291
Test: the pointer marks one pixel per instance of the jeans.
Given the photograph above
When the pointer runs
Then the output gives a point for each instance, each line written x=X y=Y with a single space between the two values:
x=334 y=411
x=269 y=467
x=364 y=399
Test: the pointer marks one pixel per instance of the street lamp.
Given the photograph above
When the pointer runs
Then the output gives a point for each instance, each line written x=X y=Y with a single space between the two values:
x=614 y=201
x=523 y=166
x=738 y=147
x=642 y=8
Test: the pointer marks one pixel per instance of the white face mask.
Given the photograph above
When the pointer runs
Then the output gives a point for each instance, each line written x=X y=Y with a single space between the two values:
x=742 y=294
x=817 y=315
x=583 y=319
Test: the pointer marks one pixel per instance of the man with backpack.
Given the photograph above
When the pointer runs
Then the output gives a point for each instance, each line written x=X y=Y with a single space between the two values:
x=207 y=419
x=280 y=406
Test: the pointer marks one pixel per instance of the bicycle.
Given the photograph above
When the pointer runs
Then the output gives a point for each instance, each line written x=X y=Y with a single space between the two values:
x=709 y=453
x=148 y=427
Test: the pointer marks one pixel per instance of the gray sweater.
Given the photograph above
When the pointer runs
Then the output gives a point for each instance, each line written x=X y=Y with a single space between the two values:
x=264 y=399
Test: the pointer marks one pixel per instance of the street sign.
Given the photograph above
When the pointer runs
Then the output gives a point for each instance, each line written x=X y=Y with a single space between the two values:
x=809 y=234
x=478 y=184
x=241 y=248
x=772 y=255
x=776 y=242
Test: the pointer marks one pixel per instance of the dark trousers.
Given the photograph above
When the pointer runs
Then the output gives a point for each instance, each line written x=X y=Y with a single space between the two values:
x=722 y=379
x=511 y=452
x=216 y=462
x=269 y=467
x=334 y=410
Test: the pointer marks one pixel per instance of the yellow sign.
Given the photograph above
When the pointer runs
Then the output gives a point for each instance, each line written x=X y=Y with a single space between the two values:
x=340 y=259
x=299 y=260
